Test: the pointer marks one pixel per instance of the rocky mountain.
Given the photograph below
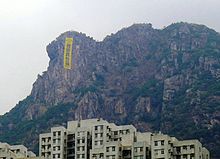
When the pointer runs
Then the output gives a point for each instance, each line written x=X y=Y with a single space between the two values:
x=158 y=80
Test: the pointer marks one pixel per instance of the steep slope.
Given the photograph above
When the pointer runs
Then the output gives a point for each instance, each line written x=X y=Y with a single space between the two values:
x=164 y=80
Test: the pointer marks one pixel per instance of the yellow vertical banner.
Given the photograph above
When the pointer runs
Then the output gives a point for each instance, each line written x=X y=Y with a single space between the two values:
x=67 y=58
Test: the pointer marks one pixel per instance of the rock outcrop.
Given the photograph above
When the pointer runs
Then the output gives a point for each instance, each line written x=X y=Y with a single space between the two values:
x=159 y=80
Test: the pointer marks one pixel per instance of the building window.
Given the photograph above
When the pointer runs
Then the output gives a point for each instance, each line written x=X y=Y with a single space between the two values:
x=113 y=148
x=96 y=127
x=107 y=149
x=191 y=146
x=192 y=156
x=139 y=157
x=58 y=155
x=127 y=131
x=162 y=142
x=101 y=142
x=184 y=147
x=155 y=143
x=78 y=148
x=141 y=149
x=83 y=155
x=135 y=149
x=162 y=151
x=43 y=139
x=178 y=149
x=48 y=140
x=100 y=156
x=119 y=148
x=54 y=133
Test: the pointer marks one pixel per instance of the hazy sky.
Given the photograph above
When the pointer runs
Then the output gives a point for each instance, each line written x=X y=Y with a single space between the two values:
x=27 y=26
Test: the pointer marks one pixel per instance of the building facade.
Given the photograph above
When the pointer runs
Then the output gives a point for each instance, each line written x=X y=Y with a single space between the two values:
x=14 y=152
x=98 y=139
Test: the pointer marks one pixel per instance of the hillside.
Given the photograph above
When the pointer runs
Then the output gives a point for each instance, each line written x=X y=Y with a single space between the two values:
x=158 y=80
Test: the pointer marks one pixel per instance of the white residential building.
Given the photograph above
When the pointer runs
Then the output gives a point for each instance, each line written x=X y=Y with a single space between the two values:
x=14 y=151
x=98 y=139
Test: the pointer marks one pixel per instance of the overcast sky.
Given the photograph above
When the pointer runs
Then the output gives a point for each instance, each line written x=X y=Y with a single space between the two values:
x=27 y=26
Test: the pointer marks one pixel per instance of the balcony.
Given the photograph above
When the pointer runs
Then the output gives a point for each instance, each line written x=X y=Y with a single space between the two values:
x=176 y=152
x=188 y=151
x=126 y=154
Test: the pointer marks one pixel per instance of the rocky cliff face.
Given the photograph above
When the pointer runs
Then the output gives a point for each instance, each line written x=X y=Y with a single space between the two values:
x=159 y=80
